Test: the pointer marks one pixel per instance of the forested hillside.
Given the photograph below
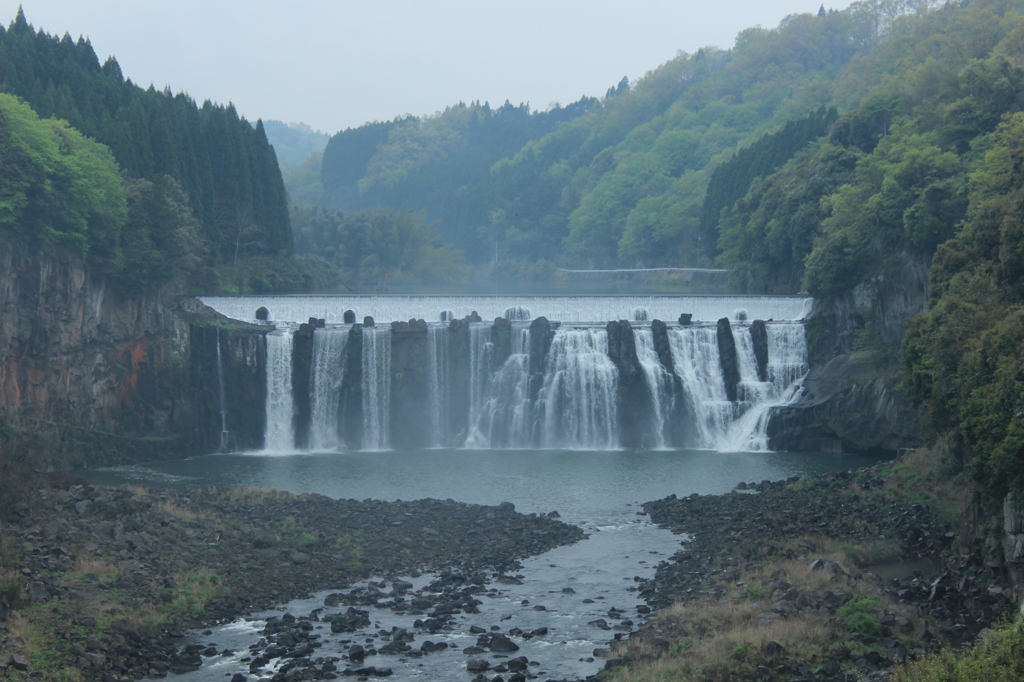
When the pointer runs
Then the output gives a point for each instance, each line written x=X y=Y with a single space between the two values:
x=146 y=183
x=619 y=181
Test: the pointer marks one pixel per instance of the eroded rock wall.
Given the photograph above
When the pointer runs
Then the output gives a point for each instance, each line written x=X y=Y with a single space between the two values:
x=852 y=401
x=111 y=378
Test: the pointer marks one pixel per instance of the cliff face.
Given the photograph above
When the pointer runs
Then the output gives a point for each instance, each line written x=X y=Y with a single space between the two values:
x=851 y=401
x=107 y=378
x=848 y=405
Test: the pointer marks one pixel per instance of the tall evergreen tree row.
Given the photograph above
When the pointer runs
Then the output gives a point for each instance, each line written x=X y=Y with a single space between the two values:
x=225 y=166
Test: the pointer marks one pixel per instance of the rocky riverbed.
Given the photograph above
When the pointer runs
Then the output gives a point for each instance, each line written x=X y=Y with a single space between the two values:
x=783 y=581
x=101 y=583
x=837 y=577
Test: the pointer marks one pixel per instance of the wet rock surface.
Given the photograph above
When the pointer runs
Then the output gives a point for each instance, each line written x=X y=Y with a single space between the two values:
x=115 y=576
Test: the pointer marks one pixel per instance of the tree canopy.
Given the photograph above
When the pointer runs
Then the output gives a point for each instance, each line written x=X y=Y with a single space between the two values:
x=224 y=165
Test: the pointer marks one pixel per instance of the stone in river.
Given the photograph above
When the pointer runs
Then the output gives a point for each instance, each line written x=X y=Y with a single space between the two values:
x=503 y=645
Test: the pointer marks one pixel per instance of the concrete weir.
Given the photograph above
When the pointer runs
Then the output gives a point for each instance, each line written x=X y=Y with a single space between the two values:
x=525 y=381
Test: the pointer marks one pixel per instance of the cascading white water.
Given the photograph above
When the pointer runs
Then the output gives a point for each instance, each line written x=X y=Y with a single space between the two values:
x=659 y=385
x=577 y=406
x=480 y=348
x=787 y=355
x=280 y=406
x=696 y=361
x=437 y=376
x=751 y=390
x=376 y=388
x=328 y=374
x=224 y=435
x=579 y=398
x=787 y=366
x=504 y=417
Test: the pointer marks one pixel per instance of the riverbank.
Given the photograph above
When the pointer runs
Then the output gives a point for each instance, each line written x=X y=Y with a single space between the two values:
x=100 y=583
x=803 y=579
x=840 y=577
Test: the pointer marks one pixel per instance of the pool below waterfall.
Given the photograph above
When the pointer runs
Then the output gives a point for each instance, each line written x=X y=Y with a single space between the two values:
x=587 y=590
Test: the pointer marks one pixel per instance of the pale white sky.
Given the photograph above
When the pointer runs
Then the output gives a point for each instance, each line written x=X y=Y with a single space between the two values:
x=336 y=64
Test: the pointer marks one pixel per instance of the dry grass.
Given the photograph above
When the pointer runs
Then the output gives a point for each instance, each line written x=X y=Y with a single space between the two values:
x=252 y=495
x=171 y=508
x=86 y=564
x=733 y=640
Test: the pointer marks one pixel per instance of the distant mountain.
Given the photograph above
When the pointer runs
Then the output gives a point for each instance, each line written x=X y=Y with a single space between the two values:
x=294 y=142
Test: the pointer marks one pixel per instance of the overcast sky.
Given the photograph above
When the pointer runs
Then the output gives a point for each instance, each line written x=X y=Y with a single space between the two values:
x=336 y=64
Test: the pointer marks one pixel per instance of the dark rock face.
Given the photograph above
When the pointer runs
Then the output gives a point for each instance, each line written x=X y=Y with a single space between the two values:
x=727 y=357
x=634 y=401
x=759 y=336
x=679 y=411
x=242 y=367
x=685 y=319
x=410 y=427
x=94 y=364
x=659 y=330
x=262 y=314
x=368 y=321
x=458 y=378
x=541 y=334
x=351 y=403
x=349 y=317
x=302 y=382
x=848 y=405
x=501 y=338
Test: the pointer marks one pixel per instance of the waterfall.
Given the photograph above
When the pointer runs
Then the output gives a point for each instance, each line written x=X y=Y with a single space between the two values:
x=696 y=360
x=504 y=418
x=437 y=377
x=579 y=393
x=572 y=401
x=328 y=374
x=750 y=390
x=659 y=385
x=280 y=428
x=376 y=388
x=787 y=366
x=480 y=350
x=225 y=435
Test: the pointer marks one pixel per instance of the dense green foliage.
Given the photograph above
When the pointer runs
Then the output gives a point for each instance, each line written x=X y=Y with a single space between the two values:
x=376 y=247
x=147 y=187
x=889 y=182
x=966 y=357
x=58 y=187
x=731 y=180
x=225 y=166
x=621 y=180
x=438 y=164
x=997 y=658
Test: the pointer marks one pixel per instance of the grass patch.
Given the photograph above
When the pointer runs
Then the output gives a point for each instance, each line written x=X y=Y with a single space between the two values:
x=348 y=549
x=171 y=508
x=194 y=591
x=731 y=641
x=86 y=565
x=291 y=529
x=860 y=616
x=999 y=658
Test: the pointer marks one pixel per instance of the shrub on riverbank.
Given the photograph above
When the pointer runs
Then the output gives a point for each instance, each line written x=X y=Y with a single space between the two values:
x=998 y=658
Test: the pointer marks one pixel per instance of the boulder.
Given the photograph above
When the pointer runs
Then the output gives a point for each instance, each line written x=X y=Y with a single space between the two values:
x=727 y=358
x=759 y=338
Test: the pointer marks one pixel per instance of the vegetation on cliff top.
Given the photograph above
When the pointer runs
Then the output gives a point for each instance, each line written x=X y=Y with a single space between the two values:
x=147 y=186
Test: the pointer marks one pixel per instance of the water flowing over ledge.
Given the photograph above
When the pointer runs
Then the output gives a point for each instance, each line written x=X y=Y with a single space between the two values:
x=559 y=308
